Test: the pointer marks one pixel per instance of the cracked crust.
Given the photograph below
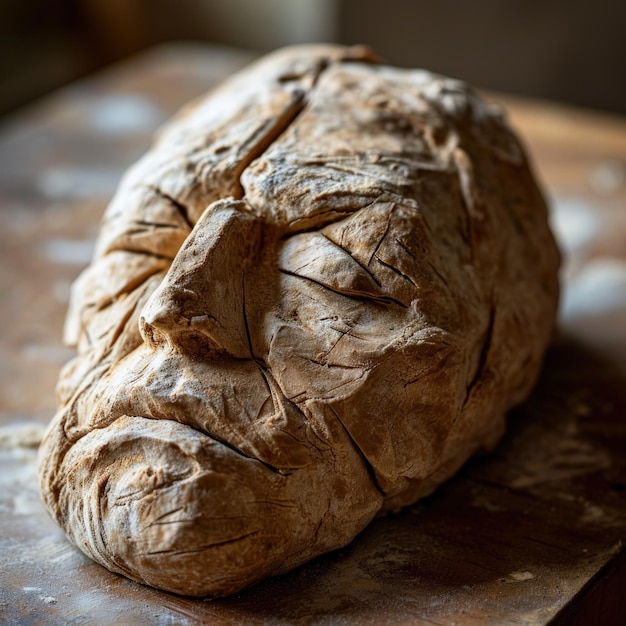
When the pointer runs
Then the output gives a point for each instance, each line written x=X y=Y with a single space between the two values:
x=311 y=301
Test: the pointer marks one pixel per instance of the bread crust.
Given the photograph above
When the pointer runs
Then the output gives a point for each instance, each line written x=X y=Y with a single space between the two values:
x=312 y=301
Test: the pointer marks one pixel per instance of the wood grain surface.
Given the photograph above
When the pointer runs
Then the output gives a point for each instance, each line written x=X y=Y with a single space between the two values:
x=531 y=534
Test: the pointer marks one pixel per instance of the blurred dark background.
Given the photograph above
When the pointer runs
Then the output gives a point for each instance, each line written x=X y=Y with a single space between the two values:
x=566 y=50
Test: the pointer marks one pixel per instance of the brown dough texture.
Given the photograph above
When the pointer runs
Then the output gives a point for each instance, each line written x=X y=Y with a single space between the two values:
x=311 y=302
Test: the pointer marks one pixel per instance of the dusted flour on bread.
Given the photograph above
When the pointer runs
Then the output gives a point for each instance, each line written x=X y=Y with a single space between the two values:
x=311 y=302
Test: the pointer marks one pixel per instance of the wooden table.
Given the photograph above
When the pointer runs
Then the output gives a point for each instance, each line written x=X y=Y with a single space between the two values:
x=532 y=534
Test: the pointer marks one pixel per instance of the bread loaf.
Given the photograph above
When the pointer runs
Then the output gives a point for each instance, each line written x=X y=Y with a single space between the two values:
x=311 y=302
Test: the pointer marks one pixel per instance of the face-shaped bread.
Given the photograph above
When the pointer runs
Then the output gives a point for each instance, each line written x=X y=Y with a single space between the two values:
x=311 y=302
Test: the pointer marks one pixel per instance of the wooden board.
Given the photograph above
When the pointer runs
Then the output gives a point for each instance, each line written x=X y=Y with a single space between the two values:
x=531 y=534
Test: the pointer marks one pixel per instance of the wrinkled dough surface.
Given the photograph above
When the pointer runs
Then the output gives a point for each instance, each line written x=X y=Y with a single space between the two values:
x=312 y=301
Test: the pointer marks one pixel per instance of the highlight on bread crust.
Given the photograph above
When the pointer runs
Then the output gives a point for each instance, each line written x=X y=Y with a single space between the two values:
x=312 y=301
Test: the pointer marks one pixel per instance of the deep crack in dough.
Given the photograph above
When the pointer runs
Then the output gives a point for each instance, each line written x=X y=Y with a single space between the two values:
x=311 y=302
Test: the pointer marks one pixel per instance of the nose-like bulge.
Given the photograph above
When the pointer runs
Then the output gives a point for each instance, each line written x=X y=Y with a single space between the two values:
x=200 y=305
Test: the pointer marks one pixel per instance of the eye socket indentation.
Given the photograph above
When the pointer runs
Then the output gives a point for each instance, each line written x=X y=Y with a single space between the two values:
x=316 y=258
